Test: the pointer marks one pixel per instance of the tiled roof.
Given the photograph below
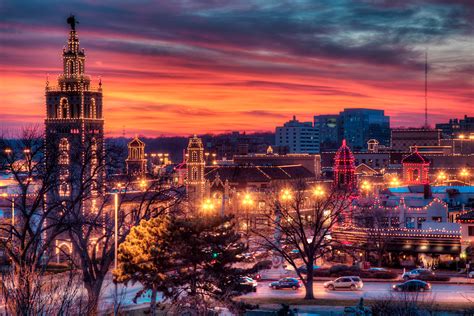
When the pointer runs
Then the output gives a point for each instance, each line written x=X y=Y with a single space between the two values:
x=245 y=174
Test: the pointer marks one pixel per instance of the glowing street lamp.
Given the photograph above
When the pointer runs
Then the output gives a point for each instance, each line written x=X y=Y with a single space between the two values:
x=286 y=195
x=464 y=174
x=143 y=184
x=247 y=202
x=366 y=186
x=207 y=206
x=441 y=176
x=394 y=182
x=318 y=192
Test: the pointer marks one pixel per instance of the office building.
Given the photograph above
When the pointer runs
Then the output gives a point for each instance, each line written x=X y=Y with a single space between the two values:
x=358 y=126
x=298 y=137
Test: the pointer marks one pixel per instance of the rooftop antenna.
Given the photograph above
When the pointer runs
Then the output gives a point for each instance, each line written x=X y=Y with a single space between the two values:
x=426 y=90
x=123 y=131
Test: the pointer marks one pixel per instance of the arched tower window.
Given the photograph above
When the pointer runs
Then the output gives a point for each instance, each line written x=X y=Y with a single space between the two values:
x=71 y=67
x=64 y=188
x=93 y=112
x=63 y=151
x=194 y=174
x=81 y=67
x=63 y=108
x=194 y=157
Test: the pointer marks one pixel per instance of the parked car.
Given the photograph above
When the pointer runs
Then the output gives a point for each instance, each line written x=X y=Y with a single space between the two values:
x=417 y=274
x=375 y=269
x=471 y=275
x=286 y=283
x=295 y=253
x=304 y=270
x=412 y=286
x=347 y=282
x=248 y=284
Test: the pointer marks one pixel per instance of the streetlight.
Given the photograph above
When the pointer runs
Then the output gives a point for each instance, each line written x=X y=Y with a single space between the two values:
x=207 y=206
x=286 y=195
x=116 y=248
x=394 y=182
x=366 y=186
x=318 y=192
x=143 y=184
x=247 y=202
x=464 y=174
x=441 y=176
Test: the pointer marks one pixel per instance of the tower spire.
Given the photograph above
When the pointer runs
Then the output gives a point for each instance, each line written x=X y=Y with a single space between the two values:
x=426 y=90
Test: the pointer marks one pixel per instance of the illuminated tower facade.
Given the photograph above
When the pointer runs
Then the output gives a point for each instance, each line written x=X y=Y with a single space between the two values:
x=74 y=125
x=344 y=168
x=136 y=161
x=195 y=165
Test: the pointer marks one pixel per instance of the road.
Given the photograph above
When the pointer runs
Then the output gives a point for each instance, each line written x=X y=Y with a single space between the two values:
x=440 y=293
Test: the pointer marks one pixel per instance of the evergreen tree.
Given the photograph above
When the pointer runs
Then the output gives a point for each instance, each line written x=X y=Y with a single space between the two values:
x=209 y=248
x=146 y=257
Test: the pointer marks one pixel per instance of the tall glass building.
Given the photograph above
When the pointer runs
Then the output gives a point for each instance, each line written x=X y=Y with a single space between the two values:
x=357 y=126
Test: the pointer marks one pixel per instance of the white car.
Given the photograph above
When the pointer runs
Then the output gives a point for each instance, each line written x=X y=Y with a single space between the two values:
x=471 y=275
x=348 y=282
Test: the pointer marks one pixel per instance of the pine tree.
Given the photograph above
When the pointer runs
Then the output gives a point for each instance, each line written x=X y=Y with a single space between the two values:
x=208 y=248
x=146 y=257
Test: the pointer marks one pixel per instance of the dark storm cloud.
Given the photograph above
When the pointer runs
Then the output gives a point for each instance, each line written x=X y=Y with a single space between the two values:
x=369 y=32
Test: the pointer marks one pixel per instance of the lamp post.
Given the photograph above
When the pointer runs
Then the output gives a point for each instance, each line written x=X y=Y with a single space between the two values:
x=207 y=206
x=366 y=186
x=441 y=177
x=247 y=202
x=116 y=250
x=465 y=175
x=318 y=193
x=394 y=182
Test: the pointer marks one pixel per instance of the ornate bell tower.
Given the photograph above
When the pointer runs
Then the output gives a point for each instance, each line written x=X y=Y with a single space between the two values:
x=136 y=161
x=195 y=164
x=74 y=125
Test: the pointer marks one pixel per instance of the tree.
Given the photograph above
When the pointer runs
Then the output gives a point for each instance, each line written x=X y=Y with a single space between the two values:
x=304 y=218
x=146 y=256
x=374 y=222
x=28 y=236
x=91 y=213
x=208 y=247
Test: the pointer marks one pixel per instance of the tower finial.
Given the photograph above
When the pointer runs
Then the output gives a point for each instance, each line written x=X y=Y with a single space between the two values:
x=71 y=20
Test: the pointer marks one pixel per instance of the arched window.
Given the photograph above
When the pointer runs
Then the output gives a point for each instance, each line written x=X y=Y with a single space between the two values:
x=81 y=67
x=63 y=151
x=63 y=108
x=416 y=175
x=194 y=175
x=93 y=112
x=71 y=67
x=194 y=157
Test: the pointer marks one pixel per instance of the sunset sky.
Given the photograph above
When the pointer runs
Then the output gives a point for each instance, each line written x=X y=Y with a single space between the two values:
x=183 y=67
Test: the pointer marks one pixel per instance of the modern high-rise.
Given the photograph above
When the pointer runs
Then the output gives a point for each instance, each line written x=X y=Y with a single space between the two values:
x=328 y=126
x=358 y=126
x=298 y=137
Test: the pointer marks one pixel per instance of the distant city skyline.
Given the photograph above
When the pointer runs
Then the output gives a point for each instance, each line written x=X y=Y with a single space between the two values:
x=179 y=69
